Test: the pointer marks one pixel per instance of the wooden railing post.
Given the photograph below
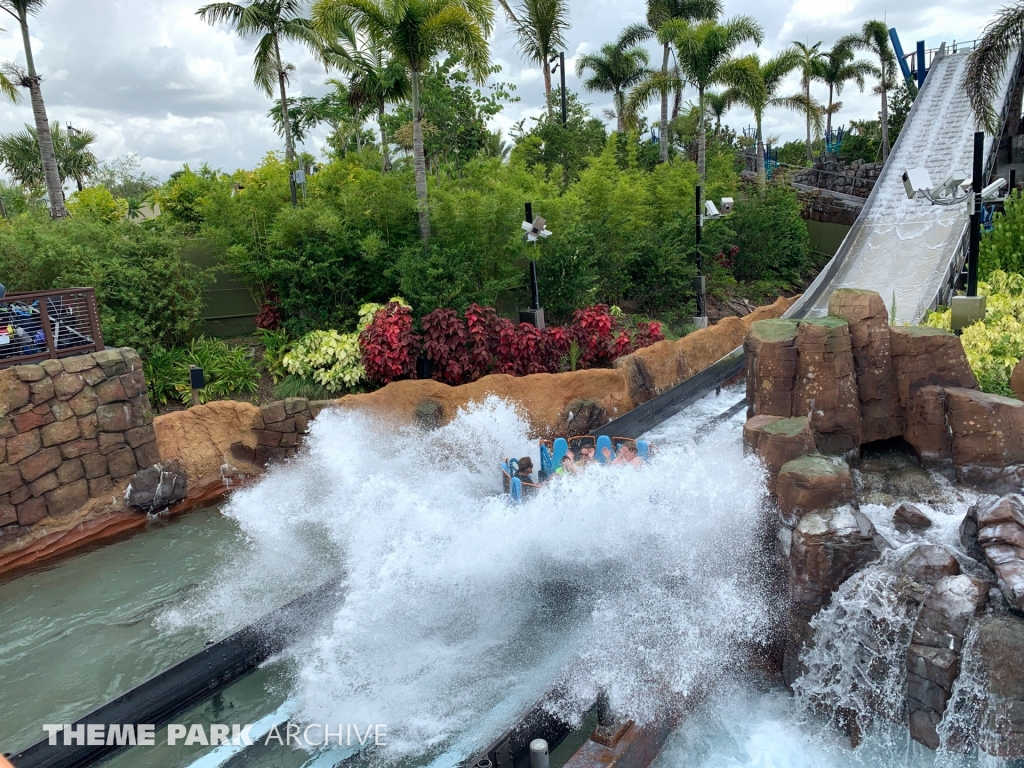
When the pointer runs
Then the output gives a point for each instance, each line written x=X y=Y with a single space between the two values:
x=44 y=316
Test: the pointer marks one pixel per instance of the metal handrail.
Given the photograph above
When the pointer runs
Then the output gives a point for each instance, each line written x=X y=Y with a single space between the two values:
x=54 y=330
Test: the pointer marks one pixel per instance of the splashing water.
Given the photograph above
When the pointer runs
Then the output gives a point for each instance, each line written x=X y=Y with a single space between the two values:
x=460 y=609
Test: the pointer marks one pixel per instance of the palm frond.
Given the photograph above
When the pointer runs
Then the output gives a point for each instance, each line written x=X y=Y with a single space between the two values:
x=988 y=61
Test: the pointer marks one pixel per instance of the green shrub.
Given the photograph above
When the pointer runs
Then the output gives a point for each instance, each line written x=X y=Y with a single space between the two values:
x=276 y=345
x=98 y=204
x=773 y=240
x=297 y=386
x=330 y=359
x=1003 y=247
x=229 y=372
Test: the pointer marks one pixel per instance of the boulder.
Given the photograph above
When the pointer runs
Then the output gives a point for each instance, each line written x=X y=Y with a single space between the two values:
x=921 y=569
x=987 y=438
x=868 y=320
x=642 y=386
x=999 y=649
x=926 y=428
x=158 y=487
x=781 y=442
x=908 y=517
x=1016 y=380
x=1000 y=535
x=772 y=360
x=933 y=658
x=826 y=388
x=922 y=357
x=428 y=415
x=752 y=430
x=813 y=483
x=584 y=417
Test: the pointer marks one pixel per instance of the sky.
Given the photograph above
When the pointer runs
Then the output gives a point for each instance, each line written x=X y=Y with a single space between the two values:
x=150 y=78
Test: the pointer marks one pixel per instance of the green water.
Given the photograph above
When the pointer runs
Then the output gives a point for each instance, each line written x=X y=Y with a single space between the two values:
x=825 y=237
x=81 y=632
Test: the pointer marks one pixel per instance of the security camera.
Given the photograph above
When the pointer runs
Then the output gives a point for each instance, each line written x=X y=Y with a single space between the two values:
x=916 y=181
x=727 y=204
x=991 y=192
x=710 y=210
x=950 y=184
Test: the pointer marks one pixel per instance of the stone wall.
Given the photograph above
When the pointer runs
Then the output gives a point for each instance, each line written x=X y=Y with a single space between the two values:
x=819 y=205
x=856 y=179
x=70 y=430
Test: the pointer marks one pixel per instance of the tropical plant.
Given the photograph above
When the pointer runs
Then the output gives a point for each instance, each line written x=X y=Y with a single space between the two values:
x=415 y=31
x=272 y=21
x=276 y=344
x=540 y=27
x=19 y=155
x=840 y=68
x=389 y=345
x=812 y=62
x=989 y=60
x=328 y=358
x=660 y=13
x=994 y=345
x=874 y=38
x=97 y=203
x=229 y=372
x=704 y=50
x=760 y=91
x=618 y=67
x=1003 y=247
x=28 y=78
x=716 y=104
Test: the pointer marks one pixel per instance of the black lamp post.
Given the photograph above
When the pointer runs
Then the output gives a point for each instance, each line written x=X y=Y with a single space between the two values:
x=700 y=284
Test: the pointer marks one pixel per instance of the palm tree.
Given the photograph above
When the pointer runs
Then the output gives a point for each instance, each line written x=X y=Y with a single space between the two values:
x=988 y=62
x=618 y=67
x=375 y=78
x=704 y=51
x=875 y=38
x=716 y=104
x=539 y=26
x=838 y=69
x=759 y=91
x=272 y=21
x=19 y=155
x=811 y=66
x=660 y=13
x=29 y=78
x=415 y=31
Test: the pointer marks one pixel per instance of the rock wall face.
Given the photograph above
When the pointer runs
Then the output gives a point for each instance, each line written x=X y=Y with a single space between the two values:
x=71 y=430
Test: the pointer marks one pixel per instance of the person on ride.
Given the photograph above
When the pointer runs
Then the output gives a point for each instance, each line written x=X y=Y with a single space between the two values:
x=586 y=456
x=568 y=465
x=628 y=455
x=525 y=470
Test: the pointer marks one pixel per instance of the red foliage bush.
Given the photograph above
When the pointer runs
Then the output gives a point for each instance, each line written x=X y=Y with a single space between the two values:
x=389 y=345
x=647 y=334
x=482 y=323
x=446 y=346
x=591 y=329
x=269 y=317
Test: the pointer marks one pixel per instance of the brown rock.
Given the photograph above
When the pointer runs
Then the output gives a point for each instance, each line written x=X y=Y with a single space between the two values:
x=131 y=359
x=70 y=471
x=293 y=405
x=88 y=425
x=29 y=373
x=1017 y=380
x=115 y=417
x=781 y=442
x=826 y=388
x=67 y=385
x=111 y=361
x=752 y=430
x=302 y=422
x=78 y=363
x=140 y=436
x=641 y=383
x=122 y=463
x=94 y=376
x=1000 y=652
x=40 y=463
x=1000 y=534
x=926 y=426
x=7 y=427
x=134 y=383
x=24 y=422
x=10 y=479
x=100 y=487
x=273 y=412
x=266 y=455
x=928 y=563
x=267 y=438
x=158 y=486
x=20 y=494
x=289 y=440
x=429 y=415
x=316 y=406
x=22 y=446
x=111 y=391
x=288 y=425
x=923 y=357
x=77 y=448
x=987 y=433
x=32 y=511
x=95 y=465
x=813 y=483
x=907 y=517
x=44 y=484
x=8 y=513
x=84 y=402
x=771 y=367
x=60 y=432
x=582 y=417
x=41 y=390
x=147 y=454
x=67 y=498
x=865 y=312
x=62 y=411
x=17 y=394
x=113 y=440
x=52 y=367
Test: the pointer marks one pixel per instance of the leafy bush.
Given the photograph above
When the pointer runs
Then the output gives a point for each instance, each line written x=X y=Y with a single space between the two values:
x=229 y=372
x=445 y=344
x=993 y=346
x=276 y=345
x=773 y=240
x=97 y=203
x=1003 y=247
x=328 y=358
x=296 y=386
x=389 y=346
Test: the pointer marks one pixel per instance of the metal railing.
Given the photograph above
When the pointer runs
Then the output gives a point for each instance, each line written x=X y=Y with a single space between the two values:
x=931 y=53
x=46 y=325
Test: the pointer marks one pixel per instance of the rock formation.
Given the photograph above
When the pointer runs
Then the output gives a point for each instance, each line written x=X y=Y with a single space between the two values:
x=158 y=487
x=993 y=532
x=826 y=387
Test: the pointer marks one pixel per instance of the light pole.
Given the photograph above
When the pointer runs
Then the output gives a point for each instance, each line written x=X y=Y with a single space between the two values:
x=700 y=283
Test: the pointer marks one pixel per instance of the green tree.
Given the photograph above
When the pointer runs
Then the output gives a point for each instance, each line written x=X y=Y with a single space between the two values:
x=272 y=21
x=334 y=109
x=760 y=90
x=660 y=13
x=617 y=68
x=840 y=68
x=812 y=61
x=989 y=60
x=125 y=178
x=19 y=155
x=415 y=31
x=875 y=39
x=28 y=78
x=540 y=27
x=717 y=104
x=704 y=52
x=563 y=152
x=900 y=102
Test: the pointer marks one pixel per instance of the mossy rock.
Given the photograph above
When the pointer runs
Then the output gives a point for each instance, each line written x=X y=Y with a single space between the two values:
x=776 y=329
x=788 y=427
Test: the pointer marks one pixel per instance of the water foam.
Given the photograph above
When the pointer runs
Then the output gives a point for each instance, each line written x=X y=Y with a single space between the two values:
x=461 y=609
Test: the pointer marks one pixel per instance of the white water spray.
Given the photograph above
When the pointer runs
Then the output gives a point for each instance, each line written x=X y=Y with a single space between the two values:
x=461 y=610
